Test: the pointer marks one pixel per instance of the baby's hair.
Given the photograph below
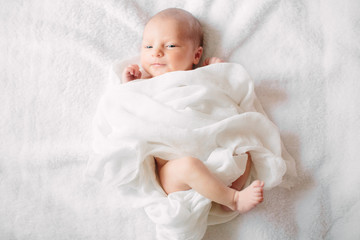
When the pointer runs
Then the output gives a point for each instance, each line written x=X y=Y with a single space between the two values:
x=195 y=30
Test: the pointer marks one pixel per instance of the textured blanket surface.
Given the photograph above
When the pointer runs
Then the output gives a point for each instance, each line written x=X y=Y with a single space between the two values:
x=303 y=56
x=210 y=113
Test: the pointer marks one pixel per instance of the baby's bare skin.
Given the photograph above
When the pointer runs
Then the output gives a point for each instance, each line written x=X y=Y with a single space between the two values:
x=190 y=173
x=239 y=184
x=248 y=198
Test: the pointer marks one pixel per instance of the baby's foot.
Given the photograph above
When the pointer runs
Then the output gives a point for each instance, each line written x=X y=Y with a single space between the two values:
x=248 y=198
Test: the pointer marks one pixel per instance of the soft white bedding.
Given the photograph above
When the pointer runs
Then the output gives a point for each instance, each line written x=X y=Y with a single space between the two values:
x=210 y=113
x=304 y=59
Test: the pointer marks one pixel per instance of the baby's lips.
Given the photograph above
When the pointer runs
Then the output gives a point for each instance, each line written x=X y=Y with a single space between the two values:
x=157 y=64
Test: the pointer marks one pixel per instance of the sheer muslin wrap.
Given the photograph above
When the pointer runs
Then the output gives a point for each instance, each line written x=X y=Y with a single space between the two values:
x=210 y=113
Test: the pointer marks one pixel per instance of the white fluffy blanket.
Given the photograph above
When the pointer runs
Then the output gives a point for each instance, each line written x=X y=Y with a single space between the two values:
x=303 y=57
x=210 y=113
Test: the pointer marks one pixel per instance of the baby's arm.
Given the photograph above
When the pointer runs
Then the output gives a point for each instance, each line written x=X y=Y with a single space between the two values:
x=212 y=60
x=131 y=73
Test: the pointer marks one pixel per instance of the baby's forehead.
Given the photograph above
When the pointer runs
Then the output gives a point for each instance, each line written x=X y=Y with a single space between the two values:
x=169 y=24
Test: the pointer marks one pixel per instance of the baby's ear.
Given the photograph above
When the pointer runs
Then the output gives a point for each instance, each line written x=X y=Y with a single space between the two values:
x=198 y=54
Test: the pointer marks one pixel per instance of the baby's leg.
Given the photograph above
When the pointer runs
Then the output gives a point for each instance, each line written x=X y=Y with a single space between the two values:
x=190 y=173
x=239 y=183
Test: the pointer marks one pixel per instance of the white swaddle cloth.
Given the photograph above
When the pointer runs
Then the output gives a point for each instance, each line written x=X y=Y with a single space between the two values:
x=210 y=113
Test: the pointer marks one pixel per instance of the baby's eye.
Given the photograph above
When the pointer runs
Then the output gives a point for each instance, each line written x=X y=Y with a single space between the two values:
x=171 y=46
x=148 y=46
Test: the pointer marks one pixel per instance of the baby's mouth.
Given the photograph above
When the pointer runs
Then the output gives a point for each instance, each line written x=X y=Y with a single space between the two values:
x=157 y=64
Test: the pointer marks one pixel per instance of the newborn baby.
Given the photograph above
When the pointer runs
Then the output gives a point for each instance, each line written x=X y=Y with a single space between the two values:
x=173 y=41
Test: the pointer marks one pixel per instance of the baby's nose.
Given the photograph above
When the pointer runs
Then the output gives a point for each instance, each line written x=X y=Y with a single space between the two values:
x=157 y=52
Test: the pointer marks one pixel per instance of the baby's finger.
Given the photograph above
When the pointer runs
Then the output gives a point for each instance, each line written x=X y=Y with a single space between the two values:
x=138 y=74
x=219 y=60
x=132 y=72
x=206 y=62
x=214 y=60
x=128 y=70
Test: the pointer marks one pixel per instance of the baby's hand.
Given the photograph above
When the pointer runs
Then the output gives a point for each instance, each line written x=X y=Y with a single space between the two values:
x=131 y=73
x=212 y=60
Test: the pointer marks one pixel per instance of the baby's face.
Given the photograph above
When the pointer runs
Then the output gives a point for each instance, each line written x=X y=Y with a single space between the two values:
x=165 y=47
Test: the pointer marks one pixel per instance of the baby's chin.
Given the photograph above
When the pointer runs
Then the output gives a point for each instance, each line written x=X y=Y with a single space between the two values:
x=157 y=73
